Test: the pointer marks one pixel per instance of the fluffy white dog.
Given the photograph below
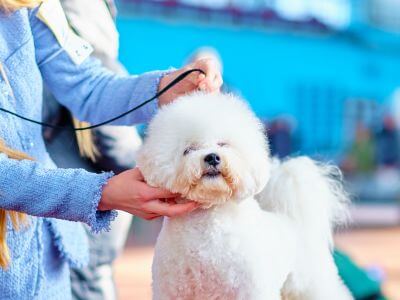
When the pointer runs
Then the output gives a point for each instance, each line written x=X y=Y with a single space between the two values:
x=212 y=149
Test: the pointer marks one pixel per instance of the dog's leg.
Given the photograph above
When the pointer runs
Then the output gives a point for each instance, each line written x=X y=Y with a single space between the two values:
x=318 y=285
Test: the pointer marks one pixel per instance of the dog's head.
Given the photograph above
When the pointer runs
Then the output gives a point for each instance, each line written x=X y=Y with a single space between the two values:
x=209 y=148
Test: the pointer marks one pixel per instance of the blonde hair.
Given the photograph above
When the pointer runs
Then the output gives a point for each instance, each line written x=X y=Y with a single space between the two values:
x=12 y=5
x=87 y=147
x=17 y=219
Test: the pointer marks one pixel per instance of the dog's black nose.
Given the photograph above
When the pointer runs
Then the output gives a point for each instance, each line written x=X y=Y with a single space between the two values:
x=212 y=159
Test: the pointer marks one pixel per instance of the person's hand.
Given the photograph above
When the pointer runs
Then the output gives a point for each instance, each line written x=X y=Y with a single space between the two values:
x=210 y=82
x=129 y=192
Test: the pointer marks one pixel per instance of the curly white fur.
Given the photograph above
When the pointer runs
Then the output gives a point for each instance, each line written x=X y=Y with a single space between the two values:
x=232 y=248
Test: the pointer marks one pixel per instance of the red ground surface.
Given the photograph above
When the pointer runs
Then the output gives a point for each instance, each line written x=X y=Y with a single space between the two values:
x=368 y=247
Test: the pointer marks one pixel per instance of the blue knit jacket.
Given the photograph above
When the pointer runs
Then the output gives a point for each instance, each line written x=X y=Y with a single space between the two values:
x=57 y=199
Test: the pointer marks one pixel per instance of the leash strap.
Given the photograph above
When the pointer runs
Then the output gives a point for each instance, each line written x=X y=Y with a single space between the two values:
x=157 y=95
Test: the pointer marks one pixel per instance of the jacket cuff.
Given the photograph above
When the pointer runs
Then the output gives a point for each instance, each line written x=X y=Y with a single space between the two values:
x=100 y=220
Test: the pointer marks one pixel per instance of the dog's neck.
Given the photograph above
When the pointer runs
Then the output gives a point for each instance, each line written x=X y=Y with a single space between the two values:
x=216 y=203
x=232 y=207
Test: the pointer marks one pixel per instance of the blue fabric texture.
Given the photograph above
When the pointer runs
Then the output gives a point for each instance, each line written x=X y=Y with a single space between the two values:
x=58 y=200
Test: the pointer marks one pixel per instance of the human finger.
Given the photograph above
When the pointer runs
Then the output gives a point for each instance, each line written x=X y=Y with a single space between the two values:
x=151 y=193
x=144 y=215
x=170 y=210
x=137 y=174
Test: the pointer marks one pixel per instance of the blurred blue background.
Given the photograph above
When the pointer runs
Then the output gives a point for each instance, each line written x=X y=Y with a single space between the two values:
x=324 y=69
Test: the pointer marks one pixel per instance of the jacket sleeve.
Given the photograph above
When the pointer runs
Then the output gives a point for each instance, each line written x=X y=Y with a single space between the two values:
x=69 y=194
x=88 y=90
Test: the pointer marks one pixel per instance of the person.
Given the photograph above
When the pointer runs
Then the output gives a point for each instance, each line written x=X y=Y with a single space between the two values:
x=387 y=144
x=108 y=148
x=280 y=138
x=37 y=45
x=361 y=156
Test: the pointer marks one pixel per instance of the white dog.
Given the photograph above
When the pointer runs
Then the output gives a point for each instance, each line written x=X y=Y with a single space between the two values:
x=212 y=149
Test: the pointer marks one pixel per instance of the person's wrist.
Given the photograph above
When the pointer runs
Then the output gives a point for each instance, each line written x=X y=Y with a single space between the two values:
x=105 y=202
x=168 y=95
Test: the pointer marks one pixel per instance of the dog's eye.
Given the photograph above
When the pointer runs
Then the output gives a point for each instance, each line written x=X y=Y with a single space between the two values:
x=222 y=144
x=189 y=149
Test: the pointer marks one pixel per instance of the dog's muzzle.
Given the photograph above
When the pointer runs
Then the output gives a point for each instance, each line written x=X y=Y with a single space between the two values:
x=212 y=162
x=212 y=159
x=211 y=172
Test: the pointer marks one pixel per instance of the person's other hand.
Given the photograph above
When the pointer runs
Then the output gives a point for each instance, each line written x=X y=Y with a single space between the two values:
x=210 y=82
x=129 y=192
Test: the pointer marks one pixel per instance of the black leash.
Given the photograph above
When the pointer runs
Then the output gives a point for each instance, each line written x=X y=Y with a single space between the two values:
x=158 y=94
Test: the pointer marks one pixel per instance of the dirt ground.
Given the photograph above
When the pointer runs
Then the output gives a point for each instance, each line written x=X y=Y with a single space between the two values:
x=372 y=247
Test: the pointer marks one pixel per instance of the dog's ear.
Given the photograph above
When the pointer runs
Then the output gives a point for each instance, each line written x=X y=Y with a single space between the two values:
x=259 y=174
x=142 y=162
x=147 y=164
x=156 y=164
x=258 y=157
x=262 y=174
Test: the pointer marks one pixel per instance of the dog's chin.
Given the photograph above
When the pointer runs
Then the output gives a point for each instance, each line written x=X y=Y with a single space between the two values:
x=212 y=189
x=208 y=186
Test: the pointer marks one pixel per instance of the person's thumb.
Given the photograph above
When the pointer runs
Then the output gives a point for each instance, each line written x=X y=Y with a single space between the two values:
x=152 y=193
x=137 y=174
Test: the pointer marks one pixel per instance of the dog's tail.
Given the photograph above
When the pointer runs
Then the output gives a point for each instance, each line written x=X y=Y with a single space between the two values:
x=312 y=196
x=309 y=193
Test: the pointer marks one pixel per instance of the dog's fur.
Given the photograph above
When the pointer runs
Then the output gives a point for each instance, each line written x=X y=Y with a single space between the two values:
x=236 y=247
